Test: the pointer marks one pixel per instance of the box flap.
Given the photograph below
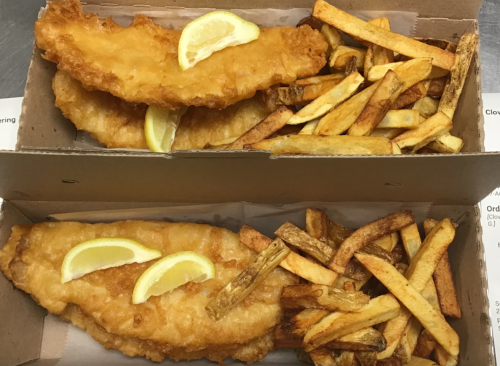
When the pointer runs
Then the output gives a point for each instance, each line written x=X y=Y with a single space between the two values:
x=427 y=8
x=52 y=176
x=21 y=318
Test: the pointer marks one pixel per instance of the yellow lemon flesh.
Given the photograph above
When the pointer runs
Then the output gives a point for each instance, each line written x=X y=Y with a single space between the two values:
x=171 y=272
x=160 y=128
x=103 y=253
x=213 y=32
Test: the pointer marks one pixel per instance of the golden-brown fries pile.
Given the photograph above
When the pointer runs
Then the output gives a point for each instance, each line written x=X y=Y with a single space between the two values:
x=375 y=296
x=390 y=95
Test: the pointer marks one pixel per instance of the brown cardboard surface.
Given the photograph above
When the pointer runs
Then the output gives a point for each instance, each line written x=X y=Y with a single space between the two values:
x=428 y=8
x=466 y=257
x=21 y=318
x=186 y=178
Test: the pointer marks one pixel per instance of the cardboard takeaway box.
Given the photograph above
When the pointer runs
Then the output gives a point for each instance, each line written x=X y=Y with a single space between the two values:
x=47 y=141
x=48 y=175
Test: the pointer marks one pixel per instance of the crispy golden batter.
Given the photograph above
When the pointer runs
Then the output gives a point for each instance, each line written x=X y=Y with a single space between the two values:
x=174 y=324
x=119 y=124
x=139 y=63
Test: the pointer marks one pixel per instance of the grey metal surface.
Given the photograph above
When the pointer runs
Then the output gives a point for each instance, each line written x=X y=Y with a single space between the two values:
x=16 y=37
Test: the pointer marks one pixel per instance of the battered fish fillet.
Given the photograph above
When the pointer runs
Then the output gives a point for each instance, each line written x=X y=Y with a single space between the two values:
x=119 y=124
x=139 y=63
x=173 y=325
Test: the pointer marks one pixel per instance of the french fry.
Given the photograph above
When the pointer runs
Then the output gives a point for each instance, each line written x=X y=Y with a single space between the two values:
x=367 y=358
x=388 y=242
x=304 y=320
x=341 y=118
x=401 y=118
x=377 y=251
x=438 y=72
x=436 y=87
x=317 y=224
x=341 y=55
x=351 y=65
x=298 y=94
x=378 y=72
x=411 y=72
x=465 y=50
x=389 y=362
x=287 y=130
x=328 y=100
x=332 y=37
x=221 y=144
x=379 y=36
x=368 y=234
x=423 y=259
x=447 y=144
x=305 y=242
x=428 y=131
x=284 y=339
x=322 y=297
x=443 y=358
x=337 y=234
x=346 y=358
x=310 y=127
x=322 y=357
x=443 y=278
x=325 y=145
x=410 y=96
x=383 y=97
x=426 y=107
x=303 y=356
x=270 y=97
x=408 y=342
x=376 y=55
x=364 y=340
x=417 y=361
x=265 y=128
x=411 y=298
x=355 y=271
x=439 y=43
x=236 y=290
x=319 y=79
x=425 y=345
x=339 y=324
x=294 y=263
x=349 y=286
x=388 y=133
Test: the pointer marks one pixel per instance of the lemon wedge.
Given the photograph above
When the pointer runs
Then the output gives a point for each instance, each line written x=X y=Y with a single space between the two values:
x=160 y=127
x=213 y=32
x=103 y=253
x=171 y=272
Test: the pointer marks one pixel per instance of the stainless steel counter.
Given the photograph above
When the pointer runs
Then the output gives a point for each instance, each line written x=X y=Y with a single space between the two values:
x=16 y=37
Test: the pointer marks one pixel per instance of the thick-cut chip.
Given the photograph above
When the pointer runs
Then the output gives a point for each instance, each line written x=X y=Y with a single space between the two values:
x=317 y=224
x=293 y=262
x=341 y=55
x=401 y=118
x=351 y=65
x=410 y=96
x=347 y=358
x=265 y=128
x=367 y=358
x=339 y=324
x=425 y=345
x=284 y=339
x=355 y=271
x=304 y=320
x=439 y=43
x=447 y=144
x=380 y=102
x=377 y=251
x=322 y=357
x=364 y=340
x=309 y=127
x=411 y=72
x=305 y=242
x=428 y=131
x=337 y=234
x=376 y=55
x=319 y=79
x=426 y=107
x=300 y=94
x=332 y=37
x=443 y=358
x=236 y=290
x=408 y=341
x=465 y=50
x=388 y=133
x=325 y=145
x=443 y=278
x=377 y=72
x=379 y=36
x=411 y=298
x=417 y=361
x=328 y=100
x=322 y=297
x=411 y=240
x=368 y=234
x=221 y=144
x=389 y=362
x=436 y=87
